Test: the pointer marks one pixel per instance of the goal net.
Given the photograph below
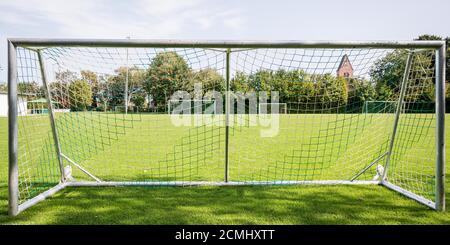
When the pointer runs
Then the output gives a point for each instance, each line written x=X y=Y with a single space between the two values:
x=272 y=108
x=380 y=106
x=330 y=128
x=391 y=106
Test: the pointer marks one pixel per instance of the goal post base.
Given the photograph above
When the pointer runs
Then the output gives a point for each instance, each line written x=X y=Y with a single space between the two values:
x=409 y=194
x=221 y=183
x=41 y=197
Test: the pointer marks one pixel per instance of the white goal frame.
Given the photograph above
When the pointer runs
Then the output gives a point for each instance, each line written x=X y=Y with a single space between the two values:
x=366 y=105
x=36 y=44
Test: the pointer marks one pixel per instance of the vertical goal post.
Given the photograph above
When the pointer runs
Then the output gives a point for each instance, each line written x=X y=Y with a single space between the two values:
x=206 y=141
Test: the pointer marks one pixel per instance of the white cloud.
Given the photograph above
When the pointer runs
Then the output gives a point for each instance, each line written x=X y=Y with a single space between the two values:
x=140 y=18
x=113 y=19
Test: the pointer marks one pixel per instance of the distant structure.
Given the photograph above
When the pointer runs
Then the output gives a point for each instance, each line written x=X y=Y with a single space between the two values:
x=345 y=68
x=22 y=104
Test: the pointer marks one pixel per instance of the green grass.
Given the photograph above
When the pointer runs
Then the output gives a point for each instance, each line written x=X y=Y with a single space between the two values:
x=104 y=151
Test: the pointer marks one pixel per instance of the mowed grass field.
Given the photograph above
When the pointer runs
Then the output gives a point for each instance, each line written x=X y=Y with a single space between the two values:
x=148 y=148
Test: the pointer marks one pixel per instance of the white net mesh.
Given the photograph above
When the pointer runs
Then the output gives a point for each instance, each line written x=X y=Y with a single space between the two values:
x=328 y=115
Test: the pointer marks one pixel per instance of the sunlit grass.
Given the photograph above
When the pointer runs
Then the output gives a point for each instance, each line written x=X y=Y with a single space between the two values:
x=222 y=205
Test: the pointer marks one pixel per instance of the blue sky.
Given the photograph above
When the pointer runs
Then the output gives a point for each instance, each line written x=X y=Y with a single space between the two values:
x=232 y=19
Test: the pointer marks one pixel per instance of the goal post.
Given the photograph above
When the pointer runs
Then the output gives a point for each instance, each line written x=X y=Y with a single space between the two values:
x=381 y=106
x=395 y=140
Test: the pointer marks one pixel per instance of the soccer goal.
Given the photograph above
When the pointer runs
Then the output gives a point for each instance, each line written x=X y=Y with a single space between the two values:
x=191 y=107
x=269 y=108
x=130 y=109
x=381 y=107
x=326 y=138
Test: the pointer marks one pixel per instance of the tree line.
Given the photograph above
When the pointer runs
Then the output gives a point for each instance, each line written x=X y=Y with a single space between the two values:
x=169 y=72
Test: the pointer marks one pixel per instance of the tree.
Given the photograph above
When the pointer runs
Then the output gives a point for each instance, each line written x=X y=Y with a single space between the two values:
x=240 y=83
x=116 y=86
x=59 y=93
x=447 y=44
x=32 y=90
x=295 y=86
x=209 y=78
x=92 y=79
x=59 y=89
x=3 y=87
x=447 y=70
x=331 y=91
x=65 y=76
x=80 y=95
x=301 y=87
x=387 y=73
x=104 y=94
x=168 y=72
x=360 y=92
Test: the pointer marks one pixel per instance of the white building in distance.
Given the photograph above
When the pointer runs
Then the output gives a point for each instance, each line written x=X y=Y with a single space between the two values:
x=22 y=105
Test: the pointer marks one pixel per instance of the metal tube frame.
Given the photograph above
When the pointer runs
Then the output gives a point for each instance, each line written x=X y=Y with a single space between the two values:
x=223 y=183
x=227 y=115
x=13 y=171
x=440 y=128
x=398 y=111
x=125 y=94
x=51 y=116
x=225 y=46
x=161 y=43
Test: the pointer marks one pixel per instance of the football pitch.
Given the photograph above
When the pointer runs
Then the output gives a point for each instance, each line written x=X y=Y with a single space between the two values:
x=146 y=147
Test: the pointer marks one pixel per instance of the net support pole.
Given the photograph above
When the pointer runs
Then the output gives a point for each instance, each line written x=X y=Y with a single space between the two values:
x=51 y=116
x=227 y=115
x=440 y=128
x=125 y=94
x=13 y=171
x=397 y=113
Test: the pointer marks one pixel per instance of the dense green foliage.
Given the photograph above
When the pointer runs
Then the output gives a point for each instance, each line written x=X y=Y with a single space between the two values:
x=80 y=95
x=3 y=87
x=114 y=91
x=209 y=78
x=168 y=72
x=387 y=73
x=360 y=91
x=295 y=86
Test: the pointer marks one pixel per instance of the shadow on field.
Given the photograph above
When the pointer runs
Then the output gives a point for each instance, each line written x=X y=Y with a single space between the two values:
x=226 y=205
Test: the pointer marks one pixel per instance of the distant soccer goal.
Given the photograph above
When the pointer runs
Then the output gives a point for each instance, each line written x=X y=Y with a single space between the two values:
x=191 y=107
x=121 y=109
x=391 y=107
x=271 y=108
x=381 y=106
x=321 y=137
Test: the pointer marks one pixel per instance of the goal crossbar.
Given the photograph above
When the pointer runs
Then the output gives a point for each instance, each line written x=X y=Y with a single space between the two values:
x=41 y=42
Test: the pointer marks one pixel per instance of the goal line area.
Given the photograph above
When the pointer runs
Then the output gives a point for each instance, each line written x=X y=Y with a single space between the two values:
x=225 y=113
